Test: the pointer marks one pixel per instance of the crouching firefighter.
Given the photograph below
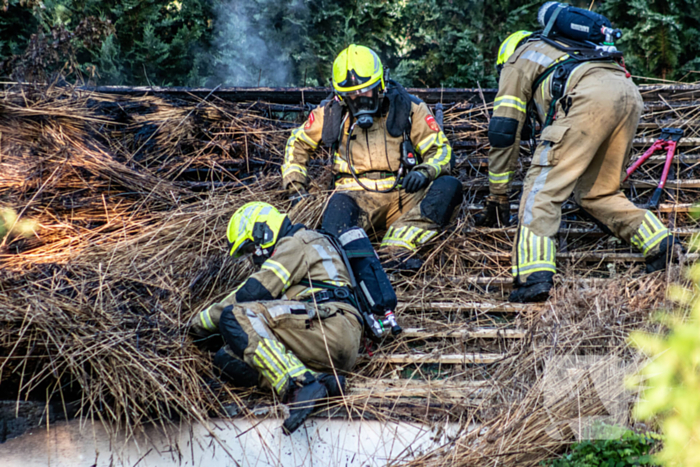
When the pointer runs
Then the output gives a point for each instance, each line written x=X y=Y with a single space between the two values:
x=390 y=159
x=568 y=77
x=296 y=324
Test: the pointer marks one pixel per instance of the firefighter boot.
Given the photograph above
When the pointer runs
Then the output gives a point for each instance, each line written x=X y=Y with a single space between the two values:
x=335 y=384
x=669 y=248
x=235 y=370
x=535 y=289
x=400 y=260
x=302 y=402
x=496 y=212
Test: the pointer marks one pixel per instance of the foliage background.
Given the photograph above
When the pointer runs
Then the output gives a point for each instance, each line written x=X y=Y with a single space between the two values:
x=433 y=43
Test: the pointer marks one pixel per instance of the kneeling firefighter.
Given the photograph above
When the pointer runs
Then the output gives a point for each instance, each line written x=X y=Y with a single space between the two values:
x=572 y=79
x=391 y=159
x=296 y=324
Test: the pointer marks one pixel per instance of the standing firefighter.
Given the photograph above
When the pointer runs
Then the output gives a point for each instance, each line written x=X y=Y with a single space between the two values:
x=295 y=323
x=378 y=134
x=589 y=109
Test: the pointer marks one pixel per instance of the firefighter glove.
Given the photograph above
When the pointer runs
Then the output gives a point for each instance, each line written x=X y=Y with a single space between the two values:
x=296 y=192
x=496 y=212
x=415 y=181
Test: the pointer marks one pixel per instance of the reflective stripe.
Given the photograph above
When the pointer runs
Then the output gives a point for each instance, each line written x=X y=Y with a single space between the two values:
x=289 y=168
x=409 y=237
x=504 y=177
x=328 y=264
x=336 y=283
x=649 y=234
x=349 y=183
x=426 y=144
x=352 y=235
x=257 y=323
x=206 y=320
x=537 y=57
x=279 y=270
x=442 y=156
x=341 y=163
x=536 y=188
x=276 y=364
x=535 y=253
x=245 y=218
x=427 y=236
x=510 y=101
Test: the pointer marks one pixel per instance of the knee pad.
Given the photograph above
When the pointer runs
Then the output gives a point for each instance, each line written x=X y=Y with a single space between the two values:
x=232 y=332
x=235 y=370
x=443 y=196
x=341 y=214
x=502 y=132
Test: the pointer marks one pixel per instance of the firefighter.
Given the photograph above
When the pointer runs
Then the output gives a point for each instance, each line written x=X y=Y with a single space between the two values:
x=367 y=124
x=298 y=339
x=589 y=111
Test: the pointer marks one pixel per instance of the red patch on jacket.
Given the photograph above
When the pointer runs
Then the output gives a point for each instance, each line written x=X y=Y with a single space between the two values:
x=310 y=121
x=430 y=120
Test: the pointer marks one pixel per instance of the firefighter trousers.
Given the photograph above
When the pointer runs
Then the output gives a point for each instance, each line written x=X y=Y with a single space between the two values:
x=409 y=219
x=584 y=152
x=283 y=340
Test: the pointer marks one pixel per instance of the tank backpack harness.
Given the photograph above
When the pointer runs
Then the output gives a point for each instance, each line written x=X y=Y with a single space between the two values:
x=398 y=123
x=574 y=31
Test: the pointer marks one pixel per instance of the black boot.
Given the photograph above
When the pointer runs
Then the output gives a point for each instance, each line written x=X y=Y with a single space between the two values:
x=301 y=403
x=235 y=370
x=664 y=257
x=334 y=385
x=535 y=289
x=401 y=261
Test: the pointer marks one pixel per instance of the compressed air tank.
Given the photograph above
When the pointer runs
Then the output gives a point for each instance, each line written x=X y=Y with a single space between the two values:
x=574 y=23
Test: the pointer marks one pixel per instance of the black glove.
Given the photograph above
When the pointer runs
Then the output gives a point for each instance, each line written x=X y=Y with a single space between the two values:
x=296 y=192
x=415 y=181
x=496 y=213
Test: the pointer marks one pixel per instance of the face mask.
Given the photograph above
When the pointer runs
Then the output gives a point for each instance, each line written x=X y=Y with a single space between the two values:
x=363 y=107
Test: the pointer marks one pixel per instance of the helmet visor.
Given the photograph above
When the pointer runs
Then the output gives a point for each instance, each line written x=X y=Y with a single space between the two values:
x=246 y=248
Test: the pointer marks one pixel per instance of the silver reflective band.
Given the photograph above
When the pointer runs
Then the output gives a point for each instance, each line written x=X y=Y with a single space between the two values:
x=351 y=236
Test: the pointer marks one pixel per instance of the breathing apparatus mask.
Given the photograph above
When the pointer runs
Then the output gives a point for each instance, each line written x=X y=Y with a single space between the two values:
x=363 y=104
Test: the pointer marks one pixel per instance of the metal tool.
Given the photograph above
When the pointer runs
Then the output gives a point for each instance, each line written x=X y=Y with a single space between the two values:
x=669 y=141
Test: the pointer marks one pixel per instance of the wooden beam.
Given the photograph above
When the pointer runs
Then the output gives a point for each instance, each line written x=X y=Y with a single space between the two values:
x=479 y=333
x=664 y=207
x=486 y=307
x=444 y=359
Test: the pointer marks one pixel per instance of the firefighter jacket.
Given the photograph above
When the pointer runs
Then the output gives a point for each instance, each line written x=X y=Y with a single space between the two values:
x=372 y=150
x=302 y=256
x=515 y=92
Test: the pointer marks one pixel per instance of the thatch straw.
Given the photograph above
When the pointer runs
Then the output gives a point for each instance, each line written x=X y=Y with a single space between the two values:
x=132 y=195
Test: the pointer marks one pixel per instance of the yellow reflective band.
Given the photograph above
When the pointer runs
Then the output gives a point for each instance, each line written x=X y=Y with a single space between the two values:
x=206 y=320
x=535 y=253
x=349 y=183
x=289 y=168
x=279 y=270
x=510 y=101
x=443 y=154
x=649 y=234
x=427 y=235
x=426 y=143
x=341 y=163
x=305 y=138
x=407 y=237
x=504 y=177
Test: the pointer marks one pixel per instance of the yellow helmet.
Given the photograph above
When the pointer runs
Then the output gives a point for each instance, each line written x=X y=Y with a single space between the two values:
x=255 y=224
x=509 y=45
x=357 y=68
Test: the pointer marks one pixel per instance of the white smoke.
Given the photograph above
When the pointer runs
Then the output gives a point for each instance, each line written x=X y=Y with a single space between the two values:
x=250 y=50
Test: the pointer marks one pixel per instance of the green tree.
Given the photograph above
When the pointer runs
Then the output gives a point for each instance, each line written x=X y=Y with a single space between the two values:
x=661 y=37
